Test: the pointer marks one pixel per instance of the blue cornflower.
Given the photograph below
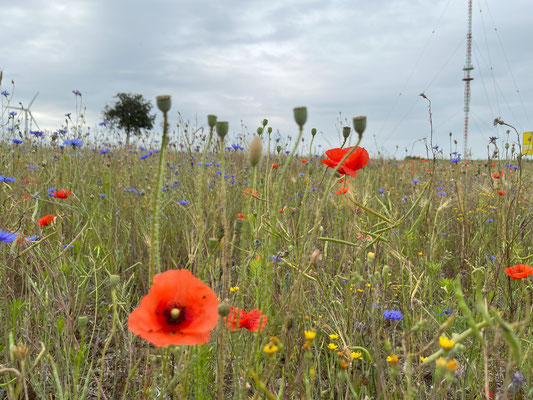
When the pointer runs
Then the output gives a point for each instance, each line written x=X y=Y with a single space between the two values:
x=456 y=160
x=7 y=237
x=104 y=151
x=144 y=156
x=76 y=92
x=184 y=202
x=492 y=139
x=142 y=148
x=445 y=311
x=490 y=220
x=68 y=115
x=74 y=143
x=7 y=179
x=104 y=123
x=415 y=181
x=33 y=167
x=393 y=315
x=381 y=191
x=275 y=258
x=17 y=141
x=37 y=133
x=102 y=195
x=441 y=194
x=64 y=246
x=5 y=93
x=12 y=113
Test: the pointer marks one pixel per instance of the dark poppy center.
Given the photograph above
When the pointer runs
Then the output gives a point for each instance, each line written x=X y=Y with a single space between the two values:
x=174 y=314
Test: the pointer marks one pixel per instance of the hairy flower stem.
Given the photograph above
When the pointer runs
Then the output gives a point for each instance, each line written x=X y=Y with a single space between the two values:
x=155 y=256
x=108 y=341
x=224 y=240
x=201 y=200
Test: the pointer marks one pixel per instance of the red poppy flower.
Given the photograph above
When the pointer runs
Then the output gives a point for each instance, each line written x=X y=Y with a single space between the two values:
x=304 y=160
x=47 y=220
x=61 y=194
x=519 y=271
x=240 y=215
x=250 y=192
x=238 y=318
x=342 y=190
x=179 y=309
x=500 y=192
x=496 y=175
x=274 y=166
x=357 y=160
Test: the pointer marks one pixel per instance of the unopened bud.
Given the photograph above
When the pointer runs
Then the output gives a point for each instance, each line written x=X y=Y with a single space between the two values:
x=316 y=257
x=83 y=321
x=256 y=150
x=346 y=132
x=313 y=132
x=265 y=122
x=359 y=124
x=222 y=128
x=269 y=129
x=278 y=149
x=259 y=131
x=114 y=280
x=224 y=309
x=211 y=120
x=163 y=103
x=300 y=116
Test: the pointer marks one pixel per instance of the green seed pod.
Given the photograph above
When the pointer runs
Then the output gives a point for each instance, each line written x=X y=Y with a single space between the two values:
x=222 y=128
x=359 y=124
x=313 y=132
x=163 y=103
x=278 y=149
x=300 y=116
x=211 y=120
x=259 y=131
x=346 y=132
x=269 y=130
x=265 y=122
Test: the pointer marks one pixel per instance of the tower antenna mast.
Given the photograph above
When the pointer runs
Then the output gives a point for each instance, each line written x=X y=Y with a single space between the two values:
x=467 y=68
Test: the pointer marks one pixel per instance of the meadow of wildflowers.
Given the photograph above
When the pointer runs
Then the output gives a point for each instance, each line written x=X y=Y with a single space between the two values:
x=189 y=266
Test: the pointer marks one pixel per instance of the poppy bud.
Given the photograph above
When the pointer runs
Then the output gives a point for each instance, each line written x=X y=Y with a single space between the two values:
x=114 y=280
x=163 y=103
x=212 y=243
x=269 y=130
x=265 y=122
x=211 y=120
x=300 y=116
x=259 y=131
x=256 y=150
x=316 y=257
x=222 y=128
x=83 y=321
x=346 y=132
x=313 y=132
x=224 y=309
x=359 y=124
x=506 y=146
x=278 y=149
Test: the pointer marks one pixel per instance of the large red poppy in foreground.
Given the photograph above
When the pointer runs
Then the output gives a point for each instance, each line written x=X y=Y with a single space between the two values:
x=238 y=318
x=519 y=271
x=357 y=160
x=179 y=309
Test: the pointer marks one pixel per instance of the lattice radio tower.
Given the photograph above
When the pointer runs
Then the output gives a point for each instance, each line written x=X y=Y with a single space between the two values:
x=468 y=67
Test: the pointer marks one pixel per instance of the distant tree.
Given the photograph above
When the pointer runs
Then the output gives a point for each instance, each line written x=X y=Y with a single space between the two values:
x=130 y=112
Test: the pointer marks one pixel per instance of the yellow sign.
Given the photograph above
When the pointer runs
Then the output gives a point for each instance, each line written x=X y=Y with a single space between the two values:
x=527 y=146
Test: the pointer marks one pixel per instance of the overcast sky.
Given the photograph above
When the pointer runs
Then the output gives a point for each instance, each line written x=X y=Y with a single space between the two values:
x=249 y=60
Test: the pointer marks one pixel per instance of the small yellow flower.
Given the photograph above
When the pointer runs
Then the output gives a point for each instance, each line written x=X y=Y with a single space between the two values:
x=420 y=253
x=422 y=359
x=360 y=290
x=274 y=340
x=270 y=349
x=333 y=336
x=368 y=285
x=355 y=355
x=307 y=345
x=393 y=360
x=340 y=353
x=343 y=364
x=371 y=255
x=234 y=289
x=309 y=335
x=452 y=365
x=446 y=343
x=441 y=362
x=332 y=346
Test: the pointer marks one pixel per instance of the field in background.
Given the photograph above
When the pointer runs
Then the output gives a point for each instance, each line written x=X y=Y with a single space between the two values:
x=411 y=255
